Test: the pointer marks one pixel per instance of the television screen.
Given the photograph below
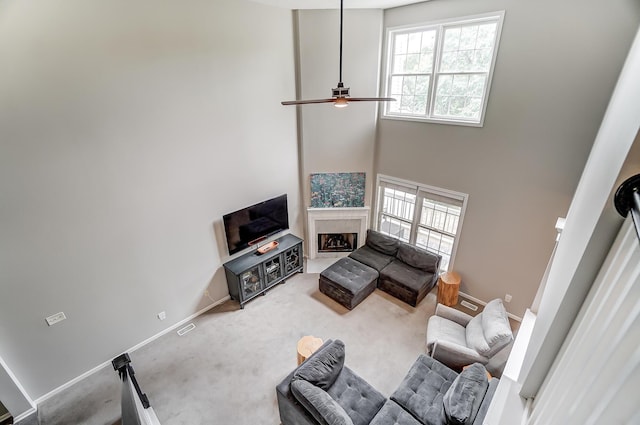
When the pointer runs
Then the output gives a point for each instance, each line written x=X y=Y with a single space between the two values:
x=253 y=224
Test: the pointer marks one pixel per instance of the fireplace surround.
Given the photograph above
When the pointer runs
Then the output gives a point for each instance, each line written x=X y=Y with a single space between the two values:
x=336 y=221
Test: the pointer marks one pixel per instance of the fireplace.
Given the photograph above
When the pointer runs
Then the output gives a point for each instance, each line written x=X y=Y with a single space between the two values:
x=337 y=242
x=324 y=224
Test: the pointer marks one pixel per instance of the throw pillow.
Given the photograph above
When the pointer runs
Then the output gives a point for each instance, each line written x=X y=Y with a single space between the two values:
x=475 y=336
x=320 y=404
x=419 y=258
x=323 y=367
x=383 y=243
x=463 y=399
x=495 y=323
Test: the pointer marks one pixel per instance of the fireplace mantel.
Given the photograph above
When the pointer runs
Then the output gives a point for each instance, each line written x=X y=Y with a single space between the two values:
x=316 y=216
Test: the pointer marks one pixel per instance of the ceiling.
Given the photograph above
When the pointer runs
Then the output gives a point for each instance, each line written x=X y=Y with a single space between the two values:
x=335 y=4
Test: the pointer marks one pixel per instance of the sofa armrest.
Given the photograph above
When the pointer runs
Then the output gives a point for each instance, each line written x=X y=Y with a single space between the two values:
x=486 y=401
x=455 y=355
x=452 y=314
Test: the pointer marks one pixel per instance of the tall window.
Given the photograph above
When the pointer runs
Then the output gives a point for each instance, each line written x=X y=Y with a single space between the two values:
x=421 y=215
x=442 y=72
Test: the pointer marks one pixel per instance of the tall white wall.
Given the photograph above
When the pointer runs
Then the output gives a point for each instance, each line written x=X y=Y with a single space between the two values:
x=555 y=71
x=127 y=129
x=591 y=225
x=338 y=139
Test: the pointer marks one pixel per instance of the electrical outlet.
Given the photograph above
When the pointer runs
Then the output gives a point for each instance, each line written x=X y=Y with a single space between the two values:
x=55 y=318
x=162 y=315
x=507 y=298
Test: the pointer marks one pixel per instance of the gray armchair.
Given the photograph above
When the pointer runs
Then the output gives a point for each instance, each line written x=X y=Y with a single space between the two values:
x=458 y=339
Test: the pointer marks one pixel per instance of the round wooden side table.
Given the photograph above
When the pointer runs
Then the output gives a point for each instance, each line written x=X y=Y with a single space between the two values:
x=448 y=287
x=307 y=345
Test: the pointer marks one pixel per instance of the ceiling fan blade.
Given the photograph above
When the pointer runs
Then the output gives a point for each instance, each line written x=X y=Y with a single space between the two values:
x=371 y=99
x=304 y=102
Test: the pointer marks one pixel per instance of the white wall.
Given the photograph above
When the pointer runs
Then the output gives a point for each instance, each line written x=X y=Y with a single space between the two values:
x=591 y=225
x=338 y=139
x=127 y=129
x=555 y=71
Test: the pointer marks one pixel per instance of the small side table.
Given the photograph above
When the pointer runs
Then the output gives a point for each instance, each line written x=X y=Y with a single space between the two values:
x=307 y=345
x=448 y=287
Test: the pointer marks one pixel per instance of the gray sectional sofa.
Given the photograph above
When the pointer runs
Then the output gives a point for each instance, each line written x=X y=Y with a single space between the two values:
x=324 y=391
x=406 y=271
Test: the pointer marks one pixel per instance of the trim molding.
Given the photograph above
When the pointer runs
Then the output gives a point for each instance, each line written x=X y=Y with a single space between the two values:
x=25 y=415
x=19 y=386
x=482 y=303
x=134 y=348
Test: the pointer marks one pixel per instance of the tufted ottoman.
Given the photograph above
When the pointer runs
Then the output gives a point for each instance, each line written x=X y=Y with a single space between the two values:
x=348 y=282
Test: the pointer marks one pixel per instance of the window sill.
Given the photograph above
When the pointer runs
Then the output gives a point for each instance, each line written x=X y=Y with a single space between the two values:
x=432 y=120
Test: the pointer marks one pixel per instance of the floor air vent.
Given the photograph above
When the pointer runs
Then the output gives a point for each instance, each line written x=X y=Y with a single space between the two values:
x=186 y=329
x=469 y=305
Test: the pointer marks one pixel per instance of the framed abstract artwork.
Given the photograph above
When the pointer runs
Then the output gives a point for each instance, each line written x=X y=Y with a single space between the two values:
x=337 y=190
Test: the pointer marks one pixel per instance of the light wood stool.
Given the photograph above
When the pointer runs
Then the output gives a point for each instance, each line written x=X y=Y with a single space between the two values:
x=448 y=287
x=307 y=345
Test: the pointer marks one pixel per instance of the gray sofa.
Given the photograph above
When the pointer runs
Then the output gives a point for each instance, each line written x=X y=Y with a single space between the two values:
x=324 y=391
x=406 y=271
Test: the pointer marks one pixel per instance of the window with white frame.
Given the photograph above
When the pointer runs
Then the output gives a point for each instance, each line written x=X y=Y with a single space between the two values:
x=425 y=216
x=442 y=72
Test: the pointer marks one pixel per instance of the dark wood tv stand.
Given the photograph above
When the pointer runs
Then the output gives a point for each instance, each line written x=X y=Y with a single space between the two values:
x=253 y=274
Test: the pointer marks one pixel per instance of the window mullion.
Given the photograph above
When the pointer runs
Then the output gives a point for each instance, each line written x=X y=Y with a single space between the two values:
x=433 y=229
x=435 y=69
x=417 y=212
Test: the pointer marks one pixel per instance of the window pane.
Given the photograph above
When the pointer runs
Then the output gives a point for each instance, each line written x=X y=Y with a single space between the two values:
x=460 y=95
x=411 y=93
x=400 y=45
x=468 y=48
x=398 y=203
x=399 y=63
x=439 y=216
x=394 y=227
x=415 y=42
x=422 y=85
x=409 y=85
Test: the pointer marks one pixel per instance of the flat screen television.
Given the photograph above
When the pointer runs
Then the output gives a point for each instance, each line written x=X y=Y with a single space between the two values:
x=253 y=224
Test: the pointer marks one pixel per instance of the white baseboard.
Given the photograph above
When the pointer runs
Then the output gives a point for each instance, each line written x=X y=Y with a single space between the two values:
x=482 y=303
x=130 y=350
x=24 y=415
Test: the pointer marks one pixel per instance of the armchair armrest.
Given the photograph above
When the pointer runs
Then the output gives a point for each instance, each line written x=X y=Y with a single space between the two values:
x=452 y=314
x=455 y=355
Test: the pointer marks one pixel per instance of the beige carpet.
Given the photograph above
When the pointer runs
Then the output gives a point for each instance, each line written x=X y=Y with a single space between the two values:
x=225 y=371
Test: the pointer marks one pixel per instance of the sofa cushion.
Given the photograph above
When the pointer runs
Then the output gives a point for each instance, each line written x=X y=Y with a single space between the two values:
x=408 y=277
x=392 y=413
x=358 y=398
x=381 y=242
x=423 y=388
x=371 y=257
x=419 y=258
x=496 y=327
x=463 y=399
x=323 y=368
x=319 y=403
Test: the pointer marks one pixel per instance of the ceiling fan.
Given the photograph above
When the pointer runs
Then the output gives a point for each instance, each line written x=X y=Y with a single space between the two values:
x=340 y=95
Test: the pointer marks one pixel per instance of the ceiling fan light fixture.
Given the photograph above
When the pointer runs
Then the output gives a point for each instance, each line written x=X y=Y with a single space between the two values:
x=340 y=95
x=341 y=102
